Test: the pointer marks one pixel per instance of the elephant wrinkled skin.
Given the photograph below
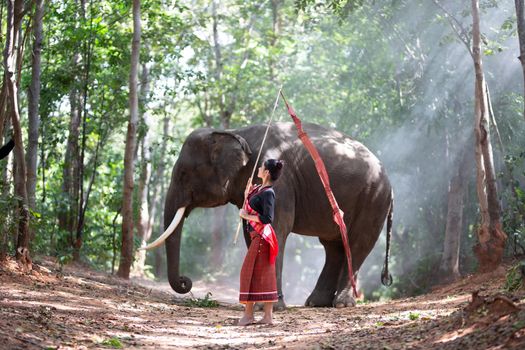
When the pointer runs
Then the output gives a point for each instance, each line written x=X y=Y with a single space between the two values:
x=213 y=168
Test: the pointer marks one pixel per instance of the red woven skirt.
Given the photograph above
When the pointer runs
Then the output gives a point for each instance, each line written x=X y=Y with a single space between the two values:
x=258 y=282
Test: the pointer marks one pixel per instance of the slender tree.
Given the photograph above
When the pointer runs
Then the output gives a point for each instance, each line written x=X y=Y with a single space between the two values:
x=33 y=103
x=15 y=14
x=83 y=195
x=276 y=31
x=520 y=16
x=68 y=216
x=491 y=238
x=158 y=195
x=143 y=219
x=225 y=110
x=126 y=255
x=449 y=265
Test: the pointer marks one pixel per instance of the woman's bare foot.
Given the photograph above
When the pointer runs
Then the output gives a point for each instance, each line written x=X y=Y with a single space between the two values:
x=245 y=321
x=265 y=320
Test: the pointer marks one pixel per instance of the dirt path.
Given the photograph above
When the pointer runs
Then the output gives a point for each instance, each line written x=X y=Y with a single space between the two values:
x=80 y=309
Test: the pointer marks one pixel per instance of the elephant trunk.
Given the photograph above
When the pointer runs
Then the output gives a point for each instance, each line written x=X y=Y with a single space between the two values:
x=172 y=236
x=180 y=284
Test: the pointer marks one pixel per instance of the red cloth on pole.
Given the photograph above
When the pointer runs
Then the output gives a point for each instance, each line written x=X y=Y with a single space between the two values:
x=323 y=175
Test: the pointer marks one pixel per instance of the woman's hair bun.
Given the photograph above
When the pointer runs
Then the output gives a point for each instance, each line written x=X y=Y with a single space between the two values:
x=274 y=166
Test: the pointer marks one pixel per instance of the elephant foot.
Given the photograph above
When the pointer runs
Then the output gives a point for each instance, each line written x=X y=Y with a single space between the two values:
x=344 y=299
x=320 y=298
x=279 y=305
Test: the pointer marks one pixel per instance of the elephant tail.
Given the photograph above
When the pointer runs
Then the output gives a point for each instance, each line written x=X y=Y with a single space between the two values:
x=386 y=277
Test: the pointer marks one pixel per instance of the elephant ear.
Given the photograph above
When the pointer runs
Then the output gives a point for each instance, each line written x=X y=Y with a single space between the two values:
x=229 y=152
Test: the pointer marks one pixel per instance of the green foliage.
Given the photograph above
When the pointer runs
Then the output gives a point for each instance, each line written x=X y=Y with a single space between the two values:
x=7 y=203
x=8 y=219
x=203 y=256
x=515 y=277
x=64 y=259
x=519 y=325
x=413 y=316
x=114 y=343
x=410 y=278
x=103 y=35
x=339 y=7
x=202 y=302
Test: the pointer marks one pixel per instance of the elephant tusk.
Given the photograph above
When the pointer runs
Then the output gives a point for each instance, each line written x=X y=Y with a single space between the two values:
x=174 y=223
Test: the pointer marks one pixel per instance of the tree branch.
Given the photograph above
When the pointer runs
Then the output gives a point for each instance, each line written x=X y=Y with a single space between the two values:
x=457 y=27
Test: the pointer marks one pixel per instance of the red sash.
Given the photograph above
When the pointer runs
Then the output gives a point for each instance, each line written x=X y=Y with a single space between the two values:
x=264 y=230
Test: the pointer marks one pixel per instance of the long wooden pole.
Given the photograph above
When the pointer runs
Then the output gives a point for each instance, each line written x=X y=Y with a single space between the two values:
x=249 y=182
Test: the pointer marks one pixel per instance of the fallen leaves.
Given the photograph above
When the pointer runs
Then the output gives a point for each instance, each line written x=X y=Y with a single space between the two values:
x=484 y=310
x=85 y=309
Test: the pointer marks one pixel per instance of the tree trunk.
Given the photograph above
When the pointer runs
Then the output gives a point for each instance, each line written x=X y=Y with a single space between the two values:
x=224 y=113
x=3 y=111
x=83 y=197
x=14 y=18
x=126 y=254
x=276 y=31
x=68 y=214
x=33 y=104
x=157 y=184
x=489 y=250
x=4 y=188
x=449 y=266
x=158 y=198
x=520 y=15
x=143 y=219
x=114 y=241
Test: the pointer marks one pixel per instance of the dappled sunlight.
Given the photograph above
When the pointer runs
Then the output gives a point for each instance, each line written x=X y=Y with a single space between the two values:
x=100 y=308
x=57 y=305
x=454 y=335
x=224 y=291
x=439 y=304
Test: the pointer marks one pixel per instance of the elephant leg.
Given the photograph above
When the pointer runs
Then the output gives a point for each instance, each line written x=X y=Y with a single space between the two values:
x=283 y=223
x=326 y=287
x=279 y=262
x=364 y=231
x=344 y=296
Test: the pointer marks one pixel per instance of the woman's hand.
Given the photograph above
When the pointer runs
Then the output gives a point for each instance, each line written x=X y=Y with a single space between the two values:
x=248 y=189
x=243 y=214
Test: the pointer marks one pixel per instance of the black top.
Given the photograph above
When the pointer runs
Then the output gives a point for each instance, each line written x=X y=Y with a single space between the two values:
x=4 y=151
x=263 y=203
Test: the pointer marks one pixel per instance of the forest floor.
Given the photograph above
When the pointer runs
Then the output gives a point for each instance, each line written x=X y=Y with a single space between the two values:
x=76 y=308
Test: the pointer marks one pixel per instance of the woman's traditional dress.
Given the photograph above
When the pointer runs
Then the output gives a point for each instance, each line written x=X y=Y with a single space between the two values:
x=258 y=281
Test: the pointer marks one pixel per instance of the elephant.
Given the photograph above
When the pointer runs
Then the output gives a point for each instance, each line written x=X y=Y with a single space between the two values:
x=213 y=169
